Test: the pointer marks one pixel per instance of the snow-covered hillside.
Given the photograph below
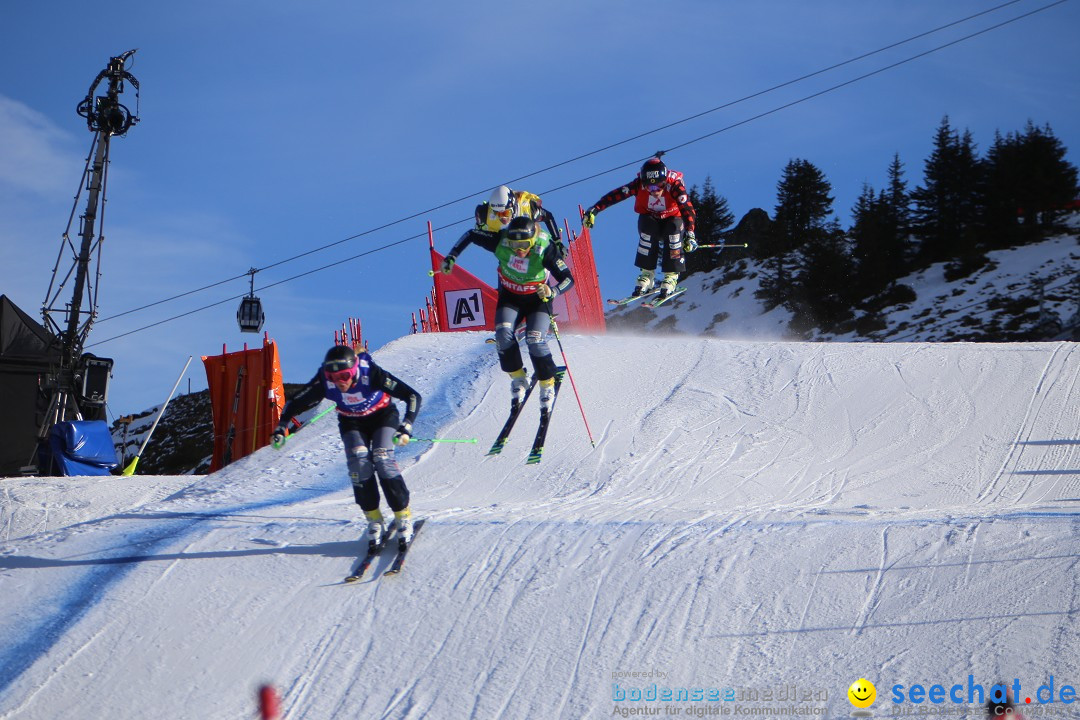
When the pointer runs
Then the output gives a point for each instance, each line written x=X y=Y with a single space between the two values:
x=1030 y=292
x=769 y=521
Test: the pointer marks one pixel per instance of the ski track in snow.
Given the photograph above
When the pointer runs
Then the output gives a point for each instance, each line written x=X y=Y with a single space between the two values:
x=1044 y=432
x=752 y=514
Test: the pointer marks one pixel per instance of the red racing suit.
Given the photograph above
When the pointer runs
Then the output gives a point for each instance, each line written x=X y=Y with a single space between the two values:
x=674 y=201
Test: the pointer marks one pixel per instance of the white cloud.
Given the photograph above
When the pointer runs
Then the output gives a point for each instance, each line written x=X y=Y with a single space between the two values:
x=37 y=157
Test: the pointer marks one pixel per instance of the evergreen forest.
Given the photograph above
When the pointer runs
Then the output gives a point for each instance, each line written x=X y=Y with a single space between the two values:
x=965 y=206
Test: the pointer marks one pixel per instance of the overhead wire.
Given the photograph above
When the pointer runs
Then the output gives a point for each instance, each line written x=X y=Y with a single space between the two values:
x=869 y=74
x=276 y=283
x=590 y=154
x=578 y=181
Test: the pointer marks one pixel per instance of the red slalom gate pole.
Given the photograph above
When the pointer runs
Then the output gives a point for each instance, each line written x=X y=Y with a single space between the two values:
x=566 y=363
x=269 y=703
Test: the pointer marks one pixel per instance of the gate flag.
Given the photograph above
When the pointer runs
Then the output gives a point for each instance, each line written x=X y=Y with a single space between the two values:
x=462 y=300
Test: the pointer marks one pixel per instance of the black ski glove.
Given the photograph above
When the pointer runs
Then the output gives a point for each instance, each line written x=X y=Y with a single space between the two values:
x=403 y=434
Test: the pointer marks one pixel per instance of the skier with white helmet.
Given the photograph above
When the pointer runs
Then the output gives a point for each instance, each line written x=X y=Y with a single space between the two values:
x=495 y=214
x=370 y=428
x=506 y=204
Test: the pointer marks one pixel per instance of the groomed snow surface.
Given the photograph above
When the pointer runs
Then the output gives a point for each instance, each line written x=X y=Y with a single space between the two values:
x=763 y=517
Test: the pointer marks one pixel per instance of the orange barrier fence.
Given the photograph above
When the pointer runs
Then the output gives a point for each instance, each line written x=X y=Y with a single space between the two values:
x=247 y=396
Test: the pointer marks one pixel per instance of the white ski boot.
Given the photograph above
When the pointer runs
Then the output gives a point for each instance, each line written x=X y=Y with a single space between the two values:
x=547 y=394
x=376 y=531
x=518 y=387
x=403 y=525
x=644 y=283
x=667 y=285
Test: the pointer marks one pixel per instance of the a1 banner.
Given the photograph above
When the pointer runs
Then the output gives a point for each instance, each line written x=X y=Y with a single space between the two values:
x=464 y=301
x=465 y=309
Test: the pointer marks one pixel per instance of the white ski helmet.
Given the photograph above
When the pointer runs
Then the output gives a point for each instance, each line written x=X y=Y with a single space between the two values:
x=502 y=200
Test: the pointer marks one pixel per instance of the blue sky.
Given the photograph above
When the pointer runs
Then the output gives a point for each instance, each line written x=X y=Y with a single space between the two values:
x=270 y=129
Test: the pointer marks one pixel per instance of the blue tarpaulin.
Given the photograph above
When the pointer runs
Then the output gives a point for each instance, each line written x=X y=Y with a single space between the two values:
x=83 y=447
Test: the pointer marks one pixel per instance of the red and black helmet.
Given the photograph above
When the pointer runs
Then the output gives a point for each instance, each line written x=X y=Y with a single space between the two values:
x=653 y=173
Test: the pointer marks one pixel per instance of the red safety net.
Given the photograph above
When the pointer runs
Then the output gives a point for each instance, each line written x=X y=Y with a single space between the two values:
x=581 y=309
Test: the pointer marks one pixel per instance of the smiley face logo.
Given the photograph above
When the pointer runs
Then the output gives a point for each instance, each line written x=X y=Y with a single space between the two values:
x=862 y=693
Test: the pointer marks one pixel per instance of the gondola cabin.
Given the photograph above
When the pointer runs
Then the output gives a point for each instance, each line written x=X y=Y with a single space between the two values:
x=250 y=315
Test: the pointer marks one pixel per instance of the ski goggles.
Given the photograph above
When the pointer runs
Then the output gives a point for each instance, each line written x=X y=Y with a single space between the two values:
x=505 y=212
x=519 y=245
x=653 y=181
x=340 y=376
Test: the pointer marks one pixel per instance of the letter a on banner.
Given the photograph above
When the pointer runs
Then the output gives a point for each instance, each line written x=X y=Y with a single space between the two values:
x=466 y=309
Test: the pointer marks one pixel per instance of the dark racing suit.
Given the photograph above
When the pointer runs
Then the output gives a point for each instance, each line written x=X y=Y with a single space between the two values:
x=367 y=421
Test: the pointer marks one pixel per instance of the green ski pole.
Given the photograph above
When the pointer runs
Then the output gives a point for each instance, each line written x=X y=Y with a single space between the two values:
x=324 y=412
x=445 y=440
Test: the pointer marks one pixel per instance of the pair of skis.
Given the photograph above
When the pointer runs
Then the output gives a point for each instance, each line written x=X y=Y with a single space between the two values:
x=541 y=430
x=651 y=299
x=375 y=553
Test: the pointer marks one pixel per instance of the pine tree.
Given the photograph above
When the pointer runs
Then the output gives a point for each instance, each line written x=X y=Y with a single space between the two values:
x=1028 y=182
x=898 y=203
x=823 y=280
x=1002 y=204
x=948 y=204
x=803 y=202
x=879 y=235
x=711 y=225
x=802 y=243
x=868 y=236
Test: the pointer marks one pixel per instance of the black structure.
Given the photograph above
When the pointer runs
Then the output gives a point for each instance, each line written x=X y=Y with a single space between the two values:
x=28 y=354
x=43 y=369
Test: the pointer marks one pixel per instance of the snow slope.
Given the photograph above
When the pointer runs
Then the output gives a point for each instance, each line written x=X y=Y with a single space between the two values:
x=1015 y=290
x=759 y=516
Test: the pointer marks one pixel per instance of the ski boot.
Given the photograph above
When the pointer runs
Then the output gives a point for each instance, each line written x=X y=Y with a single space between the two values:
x=547 y=394
x=644 y=283
x=667 y=285
x=376 y=531
x=519 y=385
x=404 y=525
